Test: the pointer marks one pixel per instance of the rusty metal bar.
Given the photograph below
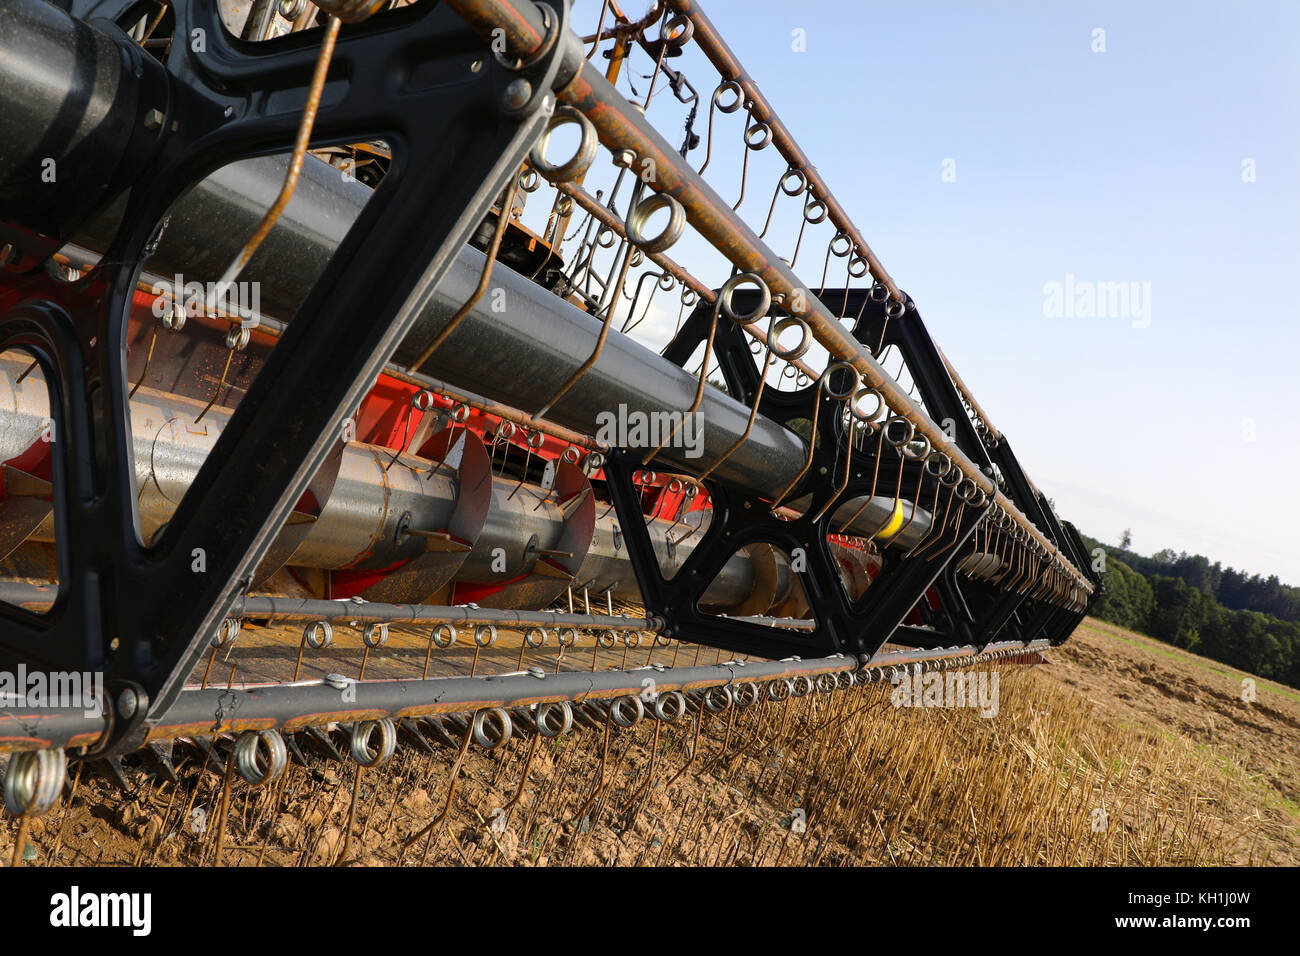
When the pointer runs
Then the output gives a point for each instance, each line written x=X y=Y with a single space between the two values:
x=620 y=126
x=496 y=409
x=720 y=55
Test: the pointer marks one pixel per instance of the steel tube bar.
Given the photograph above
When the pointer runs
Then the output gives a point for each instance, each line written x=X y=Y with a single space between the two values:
x=969 y=396
x=295 y=706
x=499 y=410
x=278 y=609
x=299 y=609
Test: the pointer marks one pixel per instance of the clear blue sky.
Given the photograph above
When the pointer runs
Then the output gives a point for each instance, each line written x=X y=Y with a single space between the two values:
x=1122 y=166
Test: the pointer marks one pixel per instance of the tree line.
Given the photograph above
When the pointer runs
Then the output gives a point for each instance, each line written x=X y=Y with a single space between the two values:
x=1249 y=622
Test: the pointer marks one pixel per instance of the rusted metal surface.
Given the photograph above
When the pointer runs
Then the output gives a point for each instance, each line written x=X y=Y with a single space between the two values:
x=625 y=25
x=499 y=410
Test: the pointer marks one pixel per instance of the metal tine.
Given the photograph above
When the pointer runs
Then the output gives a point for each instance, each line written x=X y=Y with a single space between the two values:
x=605 y=325
x=699 y=388
x=631 y=313
x=600 y=24
x=812 y=448
x=875 y=475
x=940 y=529
x=328 y=37
x=798 y=243
x=753 y=411
x=503 y=219
x=771 y=208
x=744 y=169
x=932 y=530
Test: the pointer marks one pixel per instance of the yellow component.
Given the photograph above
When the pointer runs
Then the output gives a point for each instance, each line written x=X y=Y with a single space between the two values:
x=895 y=522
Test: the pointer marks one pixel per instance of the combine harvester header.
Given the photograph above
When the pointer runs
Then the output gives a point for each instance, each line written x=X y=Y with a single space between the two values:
x=308 y=331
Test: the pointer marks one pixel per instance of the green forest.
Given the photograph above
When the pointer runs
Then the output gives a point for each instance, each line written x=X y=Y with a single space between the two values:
x=1246 y=621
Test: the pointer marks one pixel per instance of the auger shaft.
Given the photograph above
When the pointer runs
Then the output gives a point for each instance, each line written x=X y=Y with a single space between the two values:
x=359 y=521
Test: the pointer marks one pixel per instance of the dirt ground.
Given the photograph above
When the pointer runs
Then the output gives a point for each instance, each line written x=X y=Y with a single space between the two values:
x=1117 y=750
x=1145 y=683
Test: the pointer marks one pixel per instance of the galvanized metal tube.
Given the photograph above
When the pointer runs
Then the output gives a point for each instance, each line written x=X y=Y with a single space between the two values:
x=290 y=707
x=969 y=396
x=360 y=520
x=299 y=609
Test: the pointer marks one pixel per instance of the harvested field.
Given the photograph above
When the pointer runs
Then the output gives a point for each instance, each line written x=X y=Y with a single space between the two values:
x=1119 y=750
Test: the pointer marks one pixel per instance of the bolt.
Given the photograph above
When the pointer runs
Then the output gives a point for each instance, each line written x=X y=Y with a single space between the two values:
x=518 y=92
x=153 y=119
x=127 y=701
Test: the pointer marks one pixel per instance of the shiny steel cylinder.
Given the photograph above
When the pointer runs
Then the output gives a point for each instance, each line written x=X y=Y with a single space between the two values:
x=360 y=520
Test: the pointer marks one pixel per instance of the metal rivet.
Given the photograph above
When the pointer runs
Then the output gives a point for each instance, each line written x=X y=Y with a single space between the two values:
x=127 y=701
x=517 y=94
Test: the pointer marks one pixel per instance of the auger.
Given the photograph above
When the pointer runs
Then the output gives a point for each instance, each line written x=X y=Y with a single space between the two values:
x=402 y=422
